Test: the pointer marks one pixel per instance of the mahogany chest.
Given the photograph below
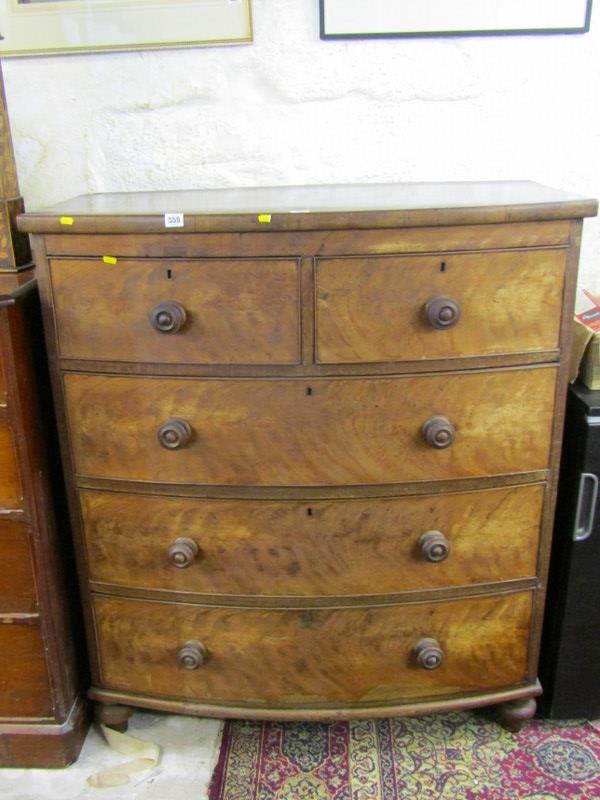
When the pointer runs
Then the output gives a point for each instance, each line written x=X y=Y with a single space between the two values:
x=311 y=437
x=42 y=713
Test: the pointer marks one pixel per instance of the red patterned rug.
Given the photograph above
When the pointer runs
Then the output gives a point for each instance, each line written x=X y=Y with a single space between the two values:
x=461 y=756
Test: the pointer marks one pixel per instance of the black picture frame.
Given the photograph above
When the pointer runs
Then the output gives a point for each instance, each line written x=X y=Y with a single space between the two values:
x=441 y=33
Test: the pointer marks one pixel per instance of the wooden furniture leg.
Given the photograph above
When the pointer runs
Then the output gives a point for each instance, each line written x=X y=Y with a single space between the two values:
x=514 y=715
x=113 y=715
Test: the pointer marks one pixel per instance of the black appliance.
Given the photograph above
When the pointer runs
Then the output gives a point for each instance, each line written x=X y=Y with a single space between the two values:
x=570 y=661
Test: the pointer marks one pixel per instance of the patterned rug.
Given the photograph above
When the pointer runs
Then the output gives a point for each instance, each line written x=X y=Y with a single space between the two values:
x=460 y=756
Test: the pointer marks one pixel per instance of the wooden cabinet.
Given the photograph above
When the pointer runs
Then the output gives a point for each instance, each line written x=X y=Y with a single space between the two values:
x=42 y=713
x=312 y=440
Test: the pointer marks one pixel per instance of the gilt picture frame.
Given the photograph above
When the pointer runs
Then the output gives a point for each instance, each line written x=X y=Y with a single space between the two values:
x=43 y=27
x=341 y=19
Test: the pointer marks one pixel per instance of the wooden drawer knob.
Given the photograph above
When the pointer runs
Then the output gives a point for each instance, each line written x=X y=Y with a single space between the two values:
x=182 y=552
x=168 y=317
x=429 y=654
x=439 y=432
x=442 y=312
x=192 y=655
x=175 y=433
x=434 y=546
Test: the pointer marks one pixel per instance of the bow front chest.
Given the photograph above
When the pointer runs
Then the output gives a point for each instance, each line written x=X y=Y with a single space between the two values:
x=311 y=436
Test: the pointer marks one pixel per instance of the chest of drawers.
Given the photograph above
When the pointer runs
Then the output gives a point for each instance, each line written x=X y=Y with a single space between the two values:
x=43 y=719
x=311 y=437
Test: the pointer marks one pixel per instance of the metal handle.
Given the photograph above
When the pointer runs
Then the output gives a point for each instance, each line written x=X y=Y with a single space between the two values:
x=586 y=506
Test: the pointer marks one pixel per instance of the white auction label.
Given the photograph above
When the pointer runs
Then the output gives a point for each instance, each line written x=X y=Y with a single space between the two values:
x=174 y=220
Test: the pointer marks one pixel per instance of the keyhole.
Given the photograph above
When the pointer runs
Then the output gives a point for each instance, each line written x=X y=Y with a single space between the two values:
x=169 y=274
x=309 y=390
x=443 y=266
x=309 y=512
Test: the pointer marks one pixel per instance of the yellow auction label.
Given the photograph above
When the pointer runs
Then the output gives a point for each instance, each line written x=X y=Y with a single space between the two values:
x=264 y=218
x=66 y=220
x=109 y=259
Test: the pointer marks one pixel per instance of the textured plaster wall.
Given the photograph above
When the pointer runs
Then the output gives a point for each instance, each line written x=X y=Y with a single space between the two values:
x=293 y=109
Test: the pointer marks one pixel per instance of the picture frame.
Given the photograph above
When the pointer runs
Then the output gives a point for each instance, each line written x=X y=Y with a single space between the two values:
x=43 y=27
x=341 y=19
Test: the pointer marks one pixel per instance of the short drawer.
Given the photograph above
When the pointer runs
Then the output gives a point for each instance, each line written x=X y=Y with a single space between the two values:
x=17 y=585
x=312 y=656
x=24 y=682
x=219 y=311
x=319 y=548
x=10 y=483
x=323 y=432
x=438 y=306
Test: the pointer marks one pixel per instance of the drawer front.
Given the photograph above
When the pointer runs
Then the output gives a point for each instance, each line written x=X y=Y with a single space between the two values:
x=312 y=657
x=10 y=483
x=333 y=547
x=322 y=432
x=240 y=311
x=17 y=585
x=24 y=685
x=376 y=309
x=2 y=382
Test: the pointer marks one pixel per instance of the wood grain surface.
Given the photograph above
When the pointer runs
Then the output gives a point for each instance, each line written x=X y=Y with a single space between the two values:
x=343 y=547
x=17 y=583
x=314 y=207
x=238 y=312
x=24 y=684
x=326 y=432
x=315 y=656
x=371 y=309
x=2 y=383
x=309 y=243
x=10 y=484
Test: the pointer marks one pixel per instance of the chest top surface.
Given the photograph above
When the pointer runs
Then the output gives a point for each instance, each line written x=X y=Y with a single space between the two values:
x=312 y=207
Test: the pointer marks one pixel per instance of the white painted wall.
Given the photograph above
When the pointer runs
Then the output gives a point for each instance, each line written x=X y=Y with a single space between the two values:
x=291 y=108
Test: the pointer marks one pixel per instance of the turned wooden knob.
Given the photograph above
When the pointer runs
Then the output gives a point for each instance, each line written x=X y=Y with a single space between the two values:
x=168 y=317
x=175 y=433
x=192 y=655
x=439 y=432
x=183 y=551
x=434 y=546
x=429 y=654
x=442 y=312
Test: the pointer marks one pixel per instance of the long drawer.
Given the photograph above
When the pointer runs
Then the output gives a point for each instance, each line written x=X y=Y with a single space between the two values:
x=319 y=548
x=442 y=305
x=302 y=432
x=312 y=657
x=214 y=311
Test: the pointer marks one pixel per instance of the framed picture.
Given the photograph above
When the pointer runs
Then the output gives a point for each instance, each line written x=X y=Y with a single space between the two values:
x=343 y=19
x=37 y=27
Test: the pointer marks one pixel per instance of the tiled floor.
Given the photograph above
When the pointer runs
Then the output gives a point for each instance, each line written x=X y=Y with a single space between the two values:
x=189 y=750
